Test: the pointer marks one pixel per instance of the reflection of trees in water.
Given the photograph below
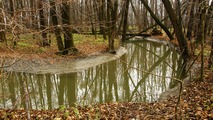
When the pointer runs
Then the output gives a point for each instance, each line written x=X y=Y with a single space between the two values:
x=113 y=81
x=67 y=89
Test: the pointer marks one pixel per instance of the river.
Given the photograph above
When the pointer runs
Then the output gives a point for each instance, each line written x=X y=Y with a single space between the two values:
x=139 y=75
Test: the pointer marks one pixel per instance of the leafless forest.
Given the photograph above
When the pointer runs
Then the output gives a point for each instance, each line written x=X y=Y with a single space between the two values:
x=107 y=17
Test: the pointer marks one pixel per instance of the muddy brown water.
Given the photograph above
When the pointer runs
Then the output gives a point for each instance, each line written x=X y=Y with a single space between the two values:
x=134 y=75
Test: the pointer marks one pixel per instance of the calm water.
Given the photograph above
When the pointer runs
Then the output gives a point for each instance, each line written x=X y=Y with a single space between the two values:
x=125 y=79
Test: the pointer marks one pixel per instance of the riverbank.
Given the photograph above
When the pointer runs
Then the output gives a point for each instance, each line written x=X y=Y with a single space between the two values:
x=196 y=103
x=45 y=66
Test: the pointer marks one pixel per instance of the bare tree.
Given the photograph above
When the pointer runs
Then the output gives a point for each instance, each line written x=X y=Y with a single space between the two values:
x=191 y=20
x=210 y=11
x=177 y=28
x=2 y=27
x=44 y=41
x=67 y=30
x=157 y=20
x=55 y=22
x=112 y=9
x=125 y=24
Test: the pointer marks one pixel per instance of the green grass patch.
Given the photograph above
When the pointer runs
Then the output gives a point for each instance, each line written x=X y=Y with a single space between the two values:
x=29 y=42
x=24 y=44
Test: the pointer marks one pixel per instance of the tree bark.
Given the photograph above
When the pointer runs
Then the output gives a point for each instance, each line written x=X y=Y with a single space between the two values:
x=68 y=38
x=210 y=61
x=125 y=24
x=2 y=29
x=11 y=8
x=177 y=28
x=112 y=7
x=56 y=29
x=102 y=14
x=42 y=24
x=203 y=22
x=191 y=20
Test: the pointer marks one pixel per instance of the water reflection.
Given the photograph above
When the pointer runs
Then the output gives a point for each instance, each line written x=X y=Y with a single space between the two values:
x=133 y=77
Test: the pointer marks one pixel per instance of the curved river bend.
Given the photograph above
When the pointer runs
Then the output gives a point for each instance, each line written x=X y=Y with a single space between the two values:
x=135 y=76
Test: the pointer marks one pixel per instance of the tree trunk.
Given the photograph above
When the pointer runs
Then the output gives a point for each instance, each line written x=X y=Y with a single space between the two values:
x=42 y=24
x=203 y=22
x=13 y=26
x=209 y=20
x=103 y=18
x=68 y=37
x=56 y=29
x=177 y=28
x=2 y=29
x=152 y=4
x=11 y=8
x=210 y=61
x=157 y=20
x=125 y=24
x=144 y=14
x=112 y=7
x=100 y=5
x=191 y=20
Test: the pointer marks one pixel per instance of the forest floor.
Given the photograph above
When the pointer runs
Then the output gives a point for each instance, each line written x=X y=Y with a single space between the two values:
x=196 y=99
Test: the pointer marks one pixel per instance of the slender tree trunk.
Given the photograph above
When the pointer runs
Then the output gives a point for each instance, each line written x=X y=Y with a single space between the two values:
x=125 y=24
x=203 y=22
x=177 y=28
x=11 y=8
x=210 y=11
x=55 y=23
x=2 y=29
x=157 y=20
x=209 y=16
x=122 y=16
x=90 y=14
x=42 y=24
x=103 y=19
x=111 y=23
x=191 y=20
x=210 y=61
x=2 y=34
x=68 y=38
x=153 y=9
x=13 y=26
x=144 y=14
x=94 y=18
x=33 y=13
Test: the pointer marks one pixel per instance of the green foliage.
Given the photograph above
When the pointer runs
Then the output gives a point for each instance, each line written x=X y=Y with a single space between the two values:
x=75 y=110
x=79 y=38
x=23 y=44
x=40 y=50
x=66 y=114
x=62 y=108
